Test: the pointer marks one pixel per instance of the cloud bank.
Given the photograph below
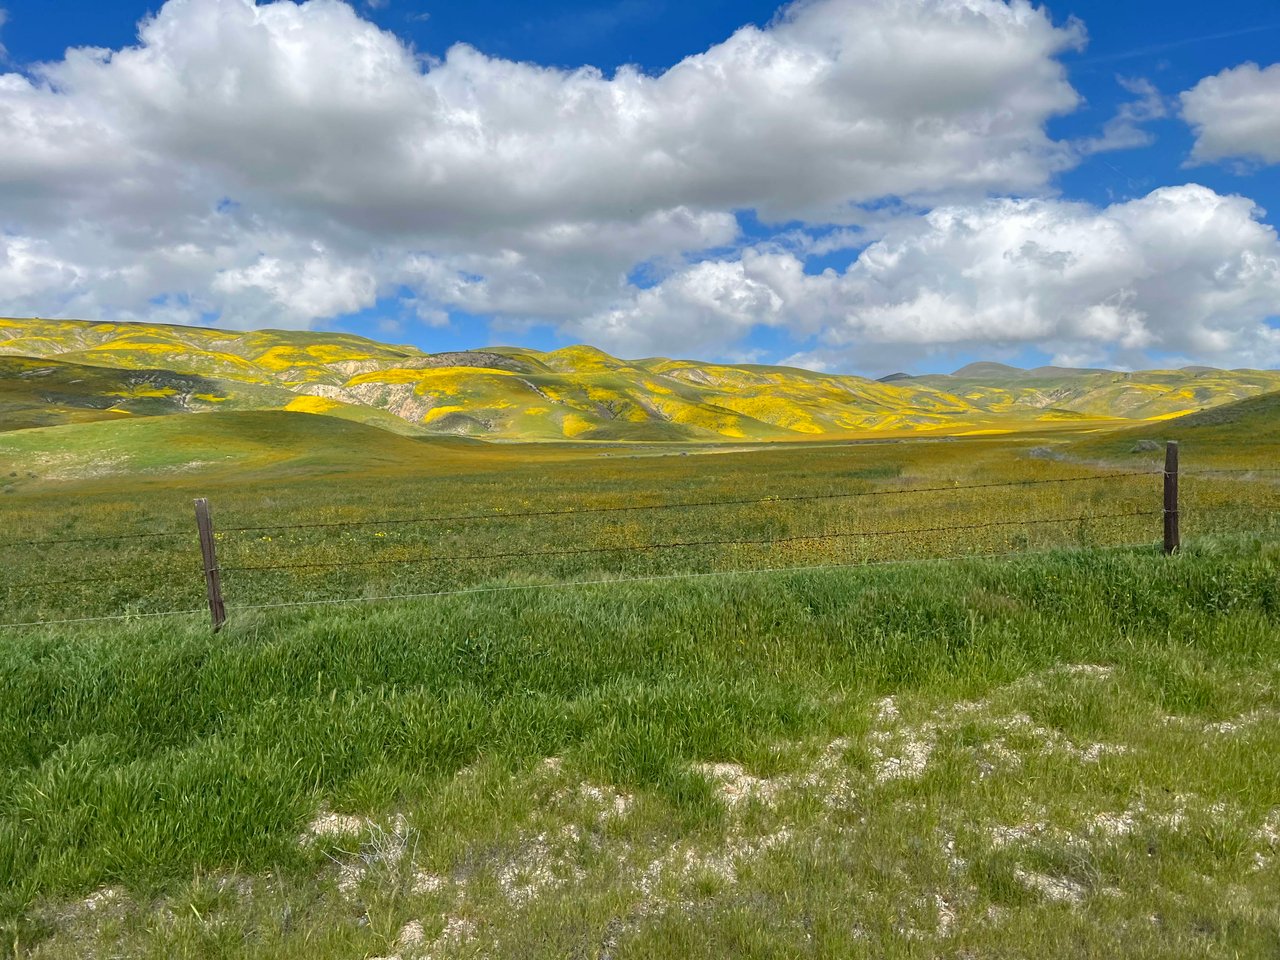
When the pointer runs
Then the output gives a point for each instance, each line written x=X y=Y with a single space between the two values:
x=284 y=163
x=1182 y=272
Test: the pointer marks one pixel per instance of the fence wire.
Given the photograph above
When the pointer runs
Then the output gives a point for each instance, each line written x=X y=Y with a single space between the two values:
x=603 y=581
x=730 y=542
x=681 y=544
x=627 y=508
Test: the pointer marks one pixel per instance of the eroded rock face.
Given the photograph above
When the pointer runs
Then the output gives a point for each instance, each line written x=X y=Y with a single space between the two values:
x=469 y=358
x=401 y=399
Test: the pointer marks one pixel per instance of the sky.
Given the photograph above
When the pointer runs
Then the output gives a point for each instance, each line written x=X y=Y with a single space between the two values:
x=858 y=186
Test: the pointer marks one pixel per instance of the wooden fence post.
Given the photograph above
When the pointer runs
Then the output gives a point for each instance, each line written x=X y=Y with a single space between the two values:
x=1172 y=540
x=212 y=578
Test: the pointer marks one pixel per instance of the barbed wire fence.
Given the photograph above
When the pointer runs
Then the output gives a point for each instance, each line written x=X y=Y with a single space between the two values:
x=1163 y=503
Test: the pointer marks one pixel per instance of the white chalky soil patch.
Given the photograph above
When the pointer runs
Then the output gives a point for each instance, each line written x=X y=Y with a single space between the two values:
x=903 y=743
x=736 y=786
x=542 y=863
x=903 y=751
x=378 y=846
x=425 y=882
x=411 y=942
x=104 y=899
x=683 y=863
x=411 y=935
x=1057 y=889
x=1269 y=832
x=334 y=825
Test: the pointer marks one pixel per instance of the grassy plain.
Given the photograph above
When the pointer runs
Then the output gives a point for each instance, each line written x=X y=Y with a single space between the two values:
x=1067 y=753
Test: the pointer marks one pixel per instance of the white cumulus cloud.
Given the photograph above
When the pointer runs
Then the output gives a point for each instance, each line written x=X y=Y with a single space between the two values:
x=284 y=162
x=1236 y=114
x=1181 y=272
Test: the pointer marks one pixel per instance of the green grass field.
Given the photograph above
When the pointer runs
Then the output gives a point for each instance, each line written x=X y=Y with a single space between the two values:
x=1068 y=751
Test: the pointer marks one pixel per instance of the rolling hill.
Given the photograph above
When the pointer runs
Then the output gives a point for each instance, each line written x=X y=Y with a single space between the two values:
x=55 y=372
x=1143 y=395
x=1231 y=435
x=241 y=446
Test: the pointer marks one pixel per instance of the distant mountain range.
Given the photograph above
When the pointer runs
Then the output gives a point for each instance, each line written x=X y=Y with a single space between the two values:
x=54 y=372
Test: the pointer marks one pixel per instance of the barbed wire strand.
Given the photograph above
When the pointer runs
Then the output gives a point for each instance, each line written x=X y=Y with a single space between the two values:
x=114 y=578
x=815 y=568
x=174 y=534
x=118 y=616
x=1212 y=471
x=637 y=548
x=98 y=539
x=750 y=501
x=570 y=511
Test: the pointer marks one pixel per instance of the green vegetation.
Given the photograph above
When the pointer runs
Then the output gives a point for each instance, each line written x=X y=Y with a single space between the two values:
x=1144 y=395
x=577 y=393
x=1067 y=752
x=1240 y=435
x=212 y=445
x=276 y=471
x=48 y=393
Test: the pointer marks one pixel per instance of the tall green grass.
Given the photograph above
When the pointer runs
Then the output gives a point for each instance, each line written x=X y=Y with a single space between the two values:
x=494 y=486
x=178 y=769
x=147 y=754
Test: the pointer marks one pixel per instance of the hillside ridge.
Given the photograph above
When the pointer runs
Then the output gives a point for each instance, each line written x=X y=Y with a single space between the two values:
x=65 y=371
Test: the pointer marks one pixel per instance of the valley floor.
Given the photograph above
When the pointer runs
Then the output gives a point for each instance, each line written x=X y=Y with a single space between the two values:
x=1066 y=750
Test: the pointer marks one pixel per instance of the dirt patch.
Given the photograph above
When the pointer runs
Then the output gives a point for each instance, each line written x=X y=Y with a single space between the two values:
x=541 y=863
x=736 y=787
x=1057 y=889
x=411 y=935
x=684 y=863
x=105 y=900
x=411 y=942
x=903 y=751
x=334 y=825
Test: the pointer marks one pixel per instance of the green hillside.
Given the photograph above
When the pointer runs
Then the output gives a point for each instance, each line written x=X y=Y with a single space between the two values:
x=1143 y=395
x=64 y=371
x=45 y=393
x=1246 y=431
x=228 y=444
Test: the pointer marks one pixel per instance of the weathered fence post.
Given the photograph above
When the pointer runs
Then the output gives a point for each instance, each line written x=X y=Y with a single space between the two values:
x=1171 y=538
x=212 y=578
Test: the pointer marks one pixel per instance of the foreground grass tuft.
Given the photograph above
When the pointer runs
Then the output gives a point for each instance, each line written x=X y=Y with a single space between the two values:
x=1064 y=754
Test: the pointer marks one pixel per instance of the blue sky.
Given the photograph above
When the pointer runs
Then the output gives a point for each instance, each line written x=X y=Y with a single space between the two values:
x=233 y=215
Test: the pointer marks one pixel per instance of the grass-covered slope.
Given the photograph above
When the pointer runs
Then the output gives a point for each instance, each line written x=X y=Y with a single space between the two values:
x=272 y=357
x=1061 y=756
x=576 y=393
x=582 y=393
x=1142 y=395
x=573 y=393
x=48 y=393
x=1240 y=435
x=41 y=393
x=1071 y=752
x=219 y=445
